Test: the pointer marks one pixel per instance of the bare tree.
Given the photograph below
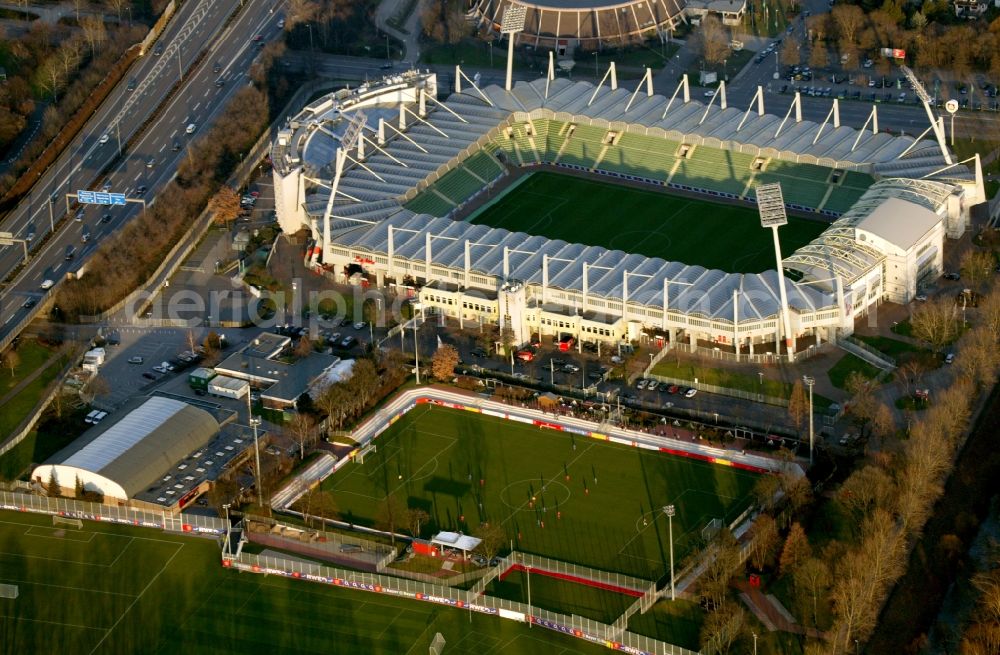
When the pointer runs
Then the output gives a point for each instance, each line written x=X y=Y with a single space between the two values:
x=798 y=405
x=98 y=386
x=811 y=579
x=935 y=322
x=226 y=205
x=977 y=266
x=866 y=489
x=764 y=540
x=790 y=55
x=304 y=347
x=11 y=360
x=989 y=310
x=796 y=550
x=713 y=40
x=94 y=33
x=444 y=362
x=303 y=429
x=818 y=56
x=415 y=518
x=118 y=6
x=883 y=423
x=493 y=538
x=722 y=629
x=909 y=374
x=391 y=512
x=848 y=19
x=715 y=580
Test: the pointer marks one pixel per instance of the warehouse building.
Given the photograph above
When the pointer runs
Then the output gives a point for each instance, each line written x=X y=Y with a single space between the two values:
x=161 y=453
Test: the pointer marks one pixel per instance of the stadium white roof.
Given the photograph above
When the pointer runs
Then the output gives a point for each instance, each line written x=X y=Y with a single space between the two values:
x=900 y=222
x=144 y=443
x=692 y=289
x=374 y=191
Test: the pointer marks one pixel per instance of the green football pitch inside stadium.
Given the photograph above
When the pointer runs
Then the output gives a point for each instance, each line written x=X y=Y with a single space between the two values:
x=121 y=590
x=596 y=503
x=646 y=222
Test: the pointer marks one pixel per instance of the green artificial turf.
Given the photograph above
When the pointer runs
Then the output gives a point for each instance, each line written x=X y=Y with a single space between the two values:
x=646 y=222
x=118 y=589
x=561 y=596
x=597 y=504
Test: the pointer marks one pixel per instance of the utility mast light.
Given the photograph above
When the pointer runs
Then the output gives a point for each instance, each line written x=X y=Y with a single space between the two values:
x=512 y=23
x=771 y=206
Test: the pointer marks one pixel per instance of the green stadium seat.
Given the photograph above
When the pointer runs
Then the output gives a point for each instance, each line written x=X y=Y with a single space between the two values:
x=715 y=170
x=842 y=198
x=797 y=171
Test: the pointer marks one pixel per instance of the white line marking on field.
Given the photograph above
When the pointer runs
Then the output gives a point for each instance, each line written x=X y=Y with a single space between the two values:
x=141 y=594
x=115 y=560
x=88 y=590
x=70 y=625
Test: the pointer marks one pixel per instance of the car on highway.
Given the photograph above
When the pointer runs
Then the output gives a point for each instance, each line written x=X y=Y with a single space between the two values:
x=141 y=190
x=70 y=252
x=106 y=186
x=30 y=235
x=281 y=24
x=190 y=128
x=157 y=50
x=258 y=38
x=47 y=284
x=104 y=139
x=79 y=214
x=29 y=303
x=85 y=235
x=150 y=162
x=219 y=82
x=175 y=146
x=217 y=67
x=105 y=218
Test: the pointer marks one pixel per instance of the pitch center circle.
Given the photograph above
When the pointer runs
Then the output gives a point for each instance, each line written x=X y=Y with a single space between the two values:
x=517 y=495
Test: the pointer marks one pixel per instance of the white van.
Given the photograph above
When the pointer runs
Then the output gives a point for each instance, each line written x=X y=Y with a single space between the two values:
x=191 y=128
x=47 y=284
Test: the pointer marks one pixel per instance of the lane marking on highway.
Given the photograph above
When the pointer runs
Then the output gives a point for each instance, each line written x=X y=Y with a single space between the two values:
x=196 y=108
x=162 y=148
x=137 y=177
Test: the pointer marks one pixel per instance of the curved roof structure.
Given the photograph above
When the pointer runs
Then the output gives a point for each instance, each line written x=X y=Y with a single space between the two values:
x=592 y=22
x=897 y=210
x=373 y=191
x=143 y=444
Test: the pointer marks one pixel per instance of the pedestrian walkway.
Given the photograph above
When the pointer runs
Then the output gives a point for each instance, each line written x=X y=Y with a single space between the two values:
x=771 y=612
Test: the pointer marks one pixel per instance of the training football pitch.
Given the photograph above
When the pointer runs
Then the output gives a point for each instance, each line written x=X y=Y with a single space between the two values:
x=116 y=589
x=646 y=222
x=571 y=498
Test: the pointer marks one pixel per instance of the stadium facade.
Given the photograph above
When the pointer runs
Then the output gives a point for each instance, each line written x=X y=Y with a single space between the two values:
x=379 y=192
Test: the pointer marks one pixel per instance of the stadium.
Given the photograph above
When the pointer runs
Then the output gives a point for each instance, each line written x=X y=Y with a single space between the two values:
x=390 y=180
x=586 y=23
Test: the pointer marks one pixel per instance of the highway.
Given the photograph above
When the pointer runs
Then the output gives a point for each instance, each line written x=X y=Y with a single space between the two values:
x=151 y=160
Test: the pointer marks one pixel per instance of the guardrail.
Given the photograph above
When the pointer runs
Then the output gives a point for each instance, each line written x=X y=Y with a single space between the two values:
x=861 y=349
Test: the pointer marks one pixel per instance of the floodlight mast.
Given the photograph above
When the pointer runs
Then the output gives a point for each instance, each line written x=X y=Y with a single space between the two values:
x=512 y=23
x=771 y=207
x=918 y=88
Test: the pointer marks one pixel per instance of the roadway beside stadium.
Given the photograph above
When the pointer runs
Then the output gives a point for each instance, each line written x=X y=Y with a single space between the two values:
x=413 y=161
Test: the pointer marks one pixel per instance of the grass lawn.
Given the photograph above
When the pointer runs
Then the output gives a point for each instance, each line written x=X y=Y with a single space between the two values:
x=849 y=363
x=596 y=503
x=109 y=589
x=892 y=347
x=658 y=224
x=33 y=356
x=475 y=53
x=561 y=596
x=721 y=377
x=650 y=54
x=48 y=437
x=675 y=622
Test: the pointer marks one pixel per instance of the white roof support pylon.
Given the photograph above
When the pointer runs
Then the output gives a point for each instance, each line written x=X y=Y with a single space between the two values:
x=834 y=113
x=614 y=82
x=425 y=122
x=422 y=103
x=682 y=85
x=551 y=74
x=403 y=134
x=759 y=99
x=459 y=73
x=797 y=106
x=648 y=79
x=721 y=89
x=338 y=170
x=377 y=147
x=442 y=105
x=916 y=141
x=873 y=119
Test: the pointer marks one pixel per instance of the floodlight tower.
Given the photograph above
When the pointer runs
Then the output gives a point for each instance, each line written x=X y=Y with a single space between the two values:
x=918 y=88
x=771 y=207
x=512 y=23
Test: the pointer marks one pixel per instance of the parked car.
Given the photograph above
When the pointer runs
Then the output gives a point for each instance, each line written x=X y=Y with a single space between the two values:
x=348 y=342
x=690 y=393
x=135 y=360
x=641 y=384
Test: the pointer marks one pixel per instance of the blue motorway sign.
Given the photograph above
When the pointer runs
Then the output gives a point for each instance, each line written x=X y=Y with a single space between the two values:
x=100 y=198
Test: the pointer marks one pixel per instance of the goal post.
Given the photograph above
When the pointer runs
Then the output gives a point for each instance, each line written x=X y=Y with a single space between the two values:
x=65 y=520
x=359 y=455
x=713 y=528
x=437 y=644
x=8 y=591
